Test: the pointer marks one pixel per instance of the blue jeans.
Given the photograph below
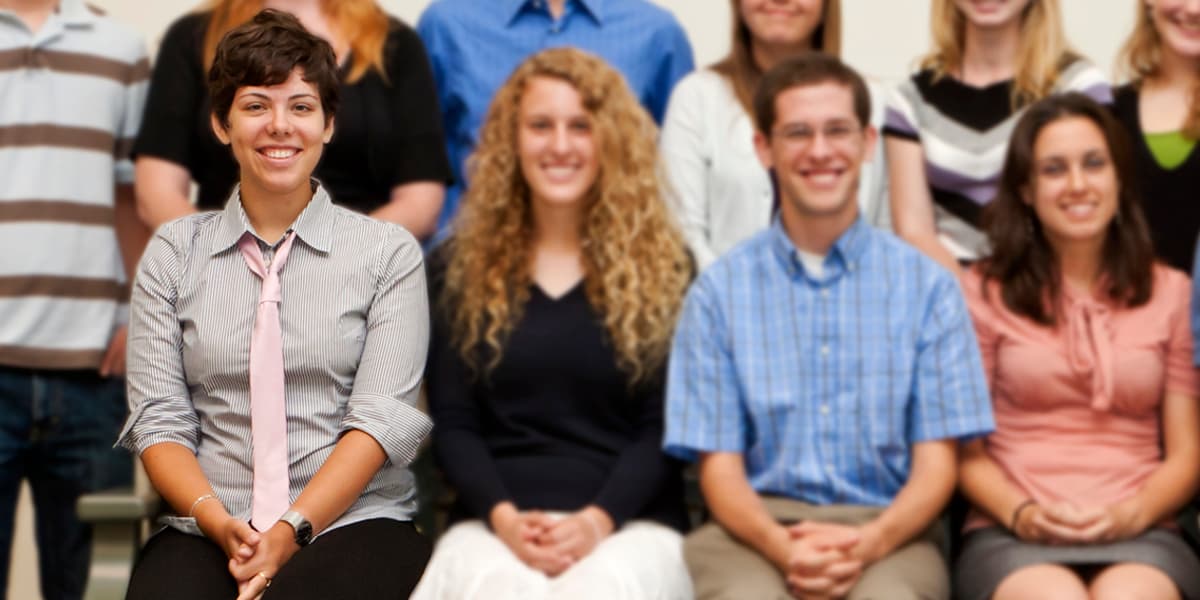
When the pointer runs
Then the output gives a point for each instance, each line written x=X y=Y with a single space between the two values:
x=57 y=429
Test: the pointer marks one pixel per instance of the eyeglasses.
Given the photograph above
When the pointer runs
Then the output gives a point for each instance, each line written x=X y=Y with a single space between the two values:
x=836 y=132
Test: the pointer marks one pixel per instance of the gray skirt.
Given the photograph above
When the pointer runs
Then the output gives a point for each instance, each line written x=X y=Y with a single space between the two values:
x=991 y=554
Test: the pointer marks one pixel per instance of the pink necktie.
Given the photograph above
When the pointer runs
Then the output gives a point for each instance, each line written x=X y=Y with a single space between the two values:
x=268 y=417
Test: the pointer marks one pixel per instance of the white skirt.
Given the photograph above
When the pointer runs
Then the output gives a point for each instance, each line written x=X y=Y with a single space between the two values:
x=641 y=561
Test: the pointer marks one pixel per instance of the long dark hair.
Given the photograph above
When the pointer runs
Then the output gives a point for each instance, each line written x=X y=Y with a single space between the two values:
x=1023 y=262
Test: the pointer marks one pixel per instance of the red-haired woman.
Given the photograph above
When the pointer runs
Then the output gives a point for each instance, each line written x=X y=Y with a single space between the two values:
x=387 y=158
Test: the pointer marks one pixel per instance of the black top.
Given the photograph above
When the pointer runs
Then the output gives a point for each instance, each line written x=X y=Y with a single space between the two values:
x=977 y=107
x=555 y=426
x=385 y=133
x=1169 y=196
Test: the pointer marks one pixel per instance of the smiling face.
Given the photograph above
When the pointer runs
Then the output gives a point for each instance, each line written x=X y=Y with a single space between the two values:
x=817 y=147
x=555 y=143
x=1178 y=23
x=276 y=133
x=1074 y=188
x=781 y=22
x=990 y=14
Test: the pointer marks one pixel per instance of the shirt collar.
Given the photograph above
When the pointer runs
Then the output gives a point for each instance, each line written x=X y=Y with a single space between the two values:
x=513 y=8
x=845 y=255
x=314 y=226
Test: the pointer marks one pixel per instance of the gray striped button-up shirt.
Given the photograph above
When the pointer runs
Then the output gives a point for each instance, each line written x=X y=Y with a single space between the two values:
x=355 y=327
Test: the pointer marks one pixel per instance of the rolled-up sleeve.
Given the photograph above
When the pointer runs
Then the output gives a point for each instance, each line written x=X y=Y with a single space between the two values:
x=383 y=401
x=160 y=407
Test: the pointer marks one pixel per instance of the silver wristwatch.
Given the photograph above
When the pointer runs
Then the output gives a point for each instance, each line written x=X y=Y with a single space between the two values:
x=300 y=525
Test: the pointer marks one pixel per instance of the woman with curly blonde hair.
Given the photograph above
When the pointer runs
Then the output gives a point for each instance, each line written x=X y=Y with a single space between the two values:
x=1160 y=107
x=555 y=302
x=947 y=126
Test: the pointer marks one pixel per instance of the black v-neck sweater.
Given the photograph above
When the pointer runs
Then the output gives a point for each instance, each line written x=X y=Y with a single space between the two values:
x=555 y=426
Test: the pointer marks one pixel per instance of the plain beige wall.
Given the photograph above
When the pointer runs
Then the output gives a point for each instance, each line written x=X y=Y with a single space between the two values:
x=881 y=38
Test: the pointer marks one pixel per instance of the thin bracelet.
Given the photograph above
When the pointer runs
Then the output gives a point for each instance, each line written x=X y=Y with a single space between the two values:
x=1016 y=514
x=192 y=511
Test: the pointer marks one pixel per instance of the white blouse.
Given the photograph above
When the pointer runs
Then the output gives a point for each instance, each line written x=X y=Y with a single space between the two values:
x=719 y=190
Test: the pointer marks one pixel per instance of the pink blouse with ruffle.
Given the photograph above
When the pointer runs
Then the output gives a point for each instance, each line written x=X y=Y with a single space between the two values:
x=1078 y=406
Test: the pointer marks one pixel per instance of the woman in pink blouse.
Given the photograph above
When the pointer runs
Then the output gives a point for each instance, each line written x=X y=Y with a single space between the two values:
x=1087 y=346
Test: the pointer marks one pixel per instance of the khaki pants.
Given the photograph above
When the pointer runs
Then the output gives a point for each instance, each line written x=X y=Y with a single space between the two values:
x=723 y=568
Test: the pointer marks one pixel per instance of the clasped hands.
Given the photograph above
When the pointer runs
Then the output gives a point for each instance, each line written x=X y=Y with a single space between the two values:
x=1065 y=523
x=550 y=544
x=254 y=557
x=825 y=560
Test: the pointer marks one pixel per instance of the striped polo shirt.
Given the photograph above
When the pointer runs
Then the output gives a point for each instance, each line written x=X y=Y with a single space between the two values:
x=71 y=97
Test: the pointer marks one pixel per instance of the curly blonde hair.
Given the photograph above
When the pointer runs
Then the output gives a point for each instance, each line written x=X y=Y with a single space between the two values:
x=636 y=266
x=1141 y=59
x=1041 y=57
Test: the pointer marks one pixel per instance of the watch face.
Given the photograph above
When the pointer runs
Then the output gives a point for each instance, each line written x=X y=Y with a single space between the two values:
x=304 y=533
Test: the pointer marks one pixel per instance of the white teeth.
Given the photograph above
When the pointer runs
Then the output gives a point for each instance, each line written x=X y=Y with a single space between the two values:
x=560 y=172
x=279 y=153
x=823 y=177
x=1081 y=210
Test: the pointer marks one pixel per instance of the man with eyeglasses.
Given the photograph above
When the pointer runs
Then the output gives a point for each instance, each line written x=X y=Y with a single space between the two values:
x=822 y=374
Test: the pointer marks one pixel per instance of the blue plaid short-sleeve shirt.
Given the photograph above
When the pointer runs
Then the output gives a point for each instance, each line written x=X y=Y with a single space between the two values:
x=824 y=383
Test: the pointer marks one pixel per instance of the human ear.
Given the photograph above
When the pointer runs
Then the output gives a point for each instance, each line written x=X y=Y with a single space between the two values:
x=762 y=147
x=328 y=135
x=870 y=139
x=219 y=129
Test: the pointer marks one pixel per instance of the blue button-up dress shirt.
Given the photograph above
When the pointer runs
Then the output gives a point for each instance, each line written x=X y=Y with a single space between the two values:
x=824 y=383
x=475 y=44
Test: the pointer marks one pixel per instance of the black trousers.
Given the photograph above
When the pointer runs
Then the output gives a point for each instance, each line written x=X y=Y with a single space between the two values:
x=379 y=559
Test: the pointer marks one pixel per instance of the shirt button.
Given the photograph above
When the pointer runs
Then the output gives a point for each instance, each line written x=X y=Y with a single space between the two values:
x=824 y=293
x=825 y=350
x=849 y=266
x=824 y=409
x=829 y=467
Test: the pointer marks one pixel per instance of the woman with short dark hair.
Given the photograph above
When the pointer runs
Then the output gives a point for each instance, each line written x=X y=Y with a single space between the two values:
x=275 y=353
